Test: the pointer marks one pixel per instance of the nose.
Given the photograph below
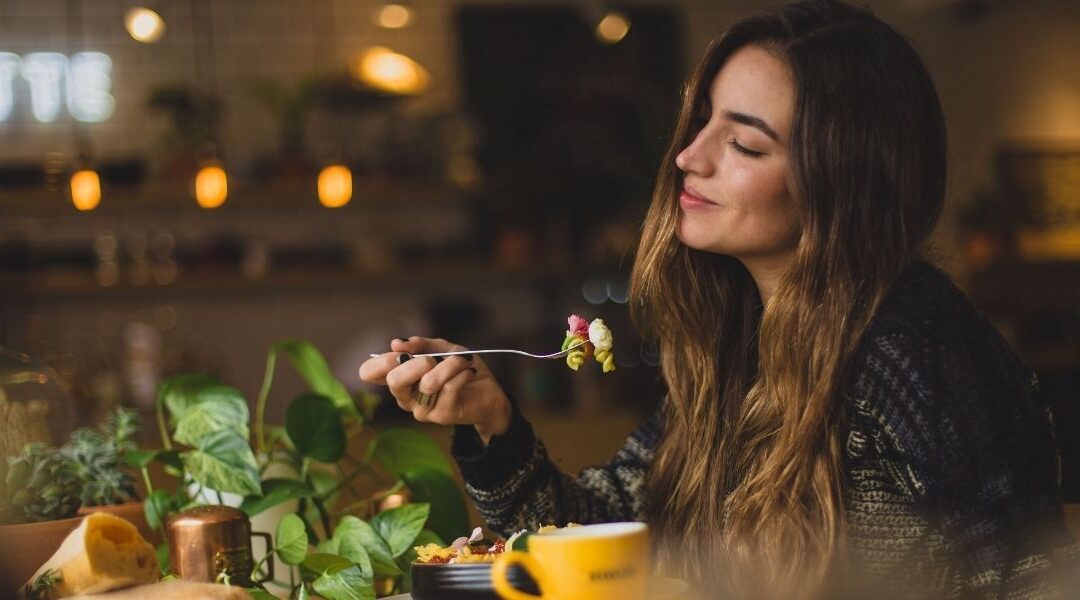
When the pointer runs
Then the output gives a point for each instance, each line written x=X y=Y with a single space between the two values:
x=694 y=159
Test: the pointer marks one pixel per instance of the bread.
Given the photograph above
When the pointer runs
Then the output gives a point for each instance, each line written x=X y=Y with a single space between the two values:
x=103 y=553
x=175 y=590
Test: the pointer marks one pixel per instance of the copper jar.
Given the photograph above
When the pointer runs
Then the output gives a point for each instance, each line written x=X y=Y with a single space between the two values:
x=213 y=543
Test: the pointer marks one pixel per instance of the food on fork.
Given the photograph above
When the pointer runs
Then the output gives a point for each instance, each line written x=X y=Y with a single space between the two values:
x=597 y=343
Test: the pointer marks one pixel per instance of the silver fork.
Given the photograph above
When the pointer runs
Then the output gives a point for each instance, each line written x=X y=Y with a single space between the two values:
x=497 y=351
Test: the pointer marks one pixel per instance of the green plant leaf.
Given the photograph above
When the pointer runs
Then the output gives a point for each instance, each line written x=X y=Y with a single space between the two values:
x=224 y=462
x=162 y=553
x=156 y=507
x=216 y=408
x=400 y=526
x=329 y=546
x=352 y=531
x=312 y=366
x=399 y=450
x=315 y=428
x=345 y=583
x=353 y=550
x=426 y=536
x=316 y=564
x=274 y=492
x=302 y=594
x=290 y=541
x=522 y=542
x=449 y=516
x=138 y=459
x=260 y=594
x=169 y=458
x=181 y=391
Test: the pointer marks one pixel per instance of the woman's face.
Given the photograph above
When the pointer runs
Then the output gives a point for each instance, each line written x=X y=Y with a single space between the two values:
x=736 y=198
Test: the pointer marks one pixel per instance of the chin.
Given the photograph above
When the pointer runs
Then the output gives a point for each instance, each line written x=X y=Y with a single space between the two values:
x=692 y=237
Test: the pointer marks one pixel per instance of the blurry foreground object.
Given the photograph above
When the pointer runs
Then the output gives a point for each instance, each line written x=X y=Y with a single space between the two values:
x=175 y=590
x=144 y=25
x=103 y=553
x=34 y=407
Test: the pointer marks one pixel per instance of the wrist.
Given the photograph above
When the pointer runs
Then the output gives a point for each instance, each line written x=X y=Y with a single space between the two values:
x=497 y=423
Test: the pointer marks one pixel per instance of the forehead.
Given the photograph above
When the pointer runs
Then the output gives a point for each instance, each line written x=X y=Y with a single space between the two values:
x=756 y=82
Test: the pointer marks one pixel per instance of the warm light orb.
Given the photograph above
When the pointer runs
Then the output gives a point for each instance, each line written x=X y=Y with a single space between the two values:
x=394 y=16
x=386 y=70
x=335 y=186
x=613 y=27
x=211 y=187
x=85 y=189
x=144 y=25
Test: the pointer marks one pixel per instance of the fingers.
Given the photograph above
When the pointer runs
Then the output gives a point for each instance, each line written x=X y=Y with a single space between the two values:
x=450 y=407
x=439 y=379
x=374 y=370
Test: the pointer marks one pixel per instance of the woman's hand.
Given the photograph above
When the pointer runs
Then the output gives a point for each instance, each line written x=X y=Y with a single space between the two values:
x=461 y=389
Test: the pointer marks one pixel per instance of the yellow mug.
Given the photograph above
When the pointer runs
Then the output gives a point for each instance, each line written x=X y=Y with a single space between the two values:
x=594 y=562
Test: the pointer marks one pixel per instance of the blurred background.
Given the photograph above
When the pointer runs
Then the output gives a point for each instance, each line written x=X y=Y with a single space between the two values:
x=185 y=182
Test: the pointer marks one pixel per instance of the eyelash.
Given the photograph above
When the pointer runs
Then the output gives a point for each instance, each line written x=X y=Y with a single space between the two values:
x=741 y=150
x=699 y=124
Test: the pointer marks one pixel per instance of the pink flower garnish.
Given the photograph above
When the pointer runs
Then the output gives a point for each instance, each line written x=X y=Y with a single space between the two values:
x=578 y=326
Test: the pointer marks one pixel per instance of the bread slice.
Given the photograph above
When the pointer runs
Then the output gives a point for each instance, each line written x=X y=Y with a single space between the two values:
x=103 y=553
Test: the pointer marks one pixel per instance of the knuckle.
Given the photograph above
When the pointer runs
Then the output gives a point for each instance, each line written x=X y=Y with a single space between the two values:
x=429 y=383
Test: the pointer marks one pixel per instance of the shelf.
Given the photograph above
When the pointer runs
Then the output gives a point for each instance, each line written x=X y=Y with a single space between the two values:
x=81 y=285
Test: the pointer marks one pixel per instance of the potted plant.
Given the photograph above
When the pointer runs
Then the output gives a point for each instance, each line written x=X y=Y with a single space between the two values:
x=329 y=546
x=45 y=490
x=39 y=501
x=99 y=457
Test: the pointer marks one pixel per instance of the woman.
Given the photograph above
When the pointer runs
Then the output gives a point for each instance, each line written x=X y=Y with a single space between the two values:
x=838 y=414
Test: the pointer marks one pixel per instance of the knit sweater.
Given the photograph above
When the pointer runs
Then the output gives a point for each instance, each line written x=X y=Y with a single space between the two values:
x=951 y=474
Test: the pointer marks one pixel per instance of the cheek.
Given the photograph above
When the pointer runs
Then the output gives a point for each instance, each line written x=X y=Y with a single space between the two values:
x=768 y=209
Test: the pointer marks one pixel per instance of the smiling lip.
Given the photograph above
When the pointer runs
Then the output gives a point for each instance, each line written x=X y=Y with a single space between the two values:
x=690 y=199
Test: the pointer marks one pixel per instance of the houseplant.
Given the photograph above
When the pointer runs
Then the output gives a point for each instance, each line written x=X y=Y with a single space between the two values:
x=44 y=489
x=204 y=430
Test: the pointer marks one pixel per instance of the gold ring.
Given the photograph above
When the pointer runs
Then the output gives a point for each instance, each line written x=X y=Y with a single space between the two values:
x=426 y=400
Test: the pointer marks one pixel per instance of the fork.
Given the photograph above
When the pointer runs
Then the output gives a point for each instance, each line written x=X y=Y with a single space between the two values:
x=497 y=351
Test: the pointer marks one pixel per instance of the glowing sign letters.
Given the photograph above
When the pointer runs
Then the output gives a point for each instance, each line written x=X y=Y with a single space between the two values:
x=83 y=81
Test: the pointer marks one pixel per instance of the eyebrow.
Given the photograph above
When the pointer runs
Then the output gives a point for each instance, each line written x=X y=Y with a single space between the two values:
x=752 y=121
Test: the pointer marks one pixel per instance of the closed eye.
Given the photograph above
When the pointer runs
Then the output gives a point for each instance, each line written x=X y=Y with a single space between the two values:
x=744 y=150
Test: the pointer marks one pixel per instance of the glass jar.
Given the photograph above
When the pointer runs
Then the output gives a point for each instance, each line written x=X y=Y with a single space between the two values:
x=34 y=406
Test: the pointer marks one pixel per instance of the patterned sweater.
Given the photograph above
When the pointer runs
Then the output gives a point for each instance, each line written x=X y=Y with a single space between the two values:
x=951 y=470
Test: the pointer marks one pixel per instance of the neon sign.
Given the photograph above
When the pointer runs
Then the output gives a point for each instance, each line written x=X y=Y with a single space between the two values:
x=82 y=82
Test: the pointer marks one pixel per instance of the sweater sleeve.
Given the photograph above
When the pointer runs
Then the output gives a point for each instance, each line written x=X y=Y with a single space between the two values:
x=515 y=485
x=976 y=442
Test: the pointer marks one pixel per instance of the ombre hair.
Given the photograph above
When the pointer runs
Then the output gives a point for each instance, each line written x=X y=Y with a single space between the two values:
x=747 y=485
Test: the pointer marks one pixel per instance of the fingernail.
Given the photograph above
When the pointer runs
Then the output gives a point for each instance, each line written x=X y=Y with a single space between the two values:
x=404 y=356
x=402 y=339
x=467 y=357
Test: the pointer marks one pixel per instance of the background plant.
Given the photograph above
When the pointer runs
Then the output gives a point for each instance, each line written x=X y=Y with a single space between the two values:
x=97 y=455
x=44 y=483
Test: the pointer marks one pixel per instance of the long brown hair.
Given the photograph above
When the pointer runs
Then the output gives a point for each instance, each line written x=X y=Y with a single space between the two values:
x=749 y=473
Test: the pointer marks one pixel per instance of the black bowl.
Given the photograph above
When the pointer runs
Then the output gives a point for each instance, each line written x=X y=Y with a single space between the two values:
x=469 y=581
